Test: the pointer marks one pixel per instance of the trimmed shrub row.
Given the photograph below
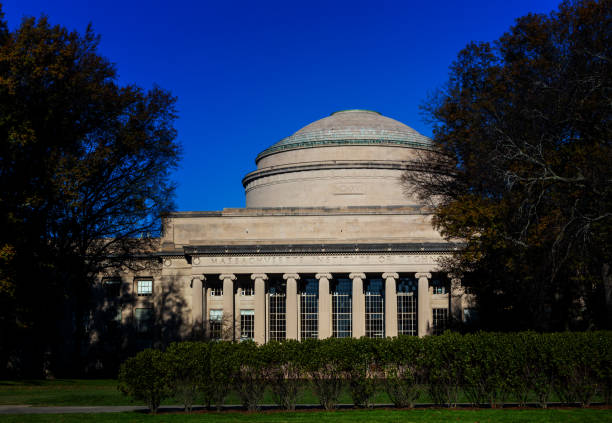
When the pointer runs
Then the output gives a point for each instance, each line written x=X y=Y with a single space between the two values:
x=488 y=368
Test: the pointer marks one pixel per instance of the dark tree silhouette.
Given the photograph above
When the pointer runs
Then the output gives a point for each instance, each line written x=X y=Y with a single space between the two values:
x=85 y=166
x=522 y=151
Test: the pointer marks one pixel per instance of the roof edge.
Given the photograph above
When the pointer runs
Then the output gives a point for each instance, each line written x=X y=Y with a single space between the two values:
x=331 y=143
x=298 y=249
x=305 y=211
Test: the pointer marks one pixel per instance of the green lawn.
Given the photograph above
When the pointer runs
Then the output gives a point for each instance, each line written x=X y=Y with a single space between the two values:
x=104 y=392
x=61 y=392
x=576 y=415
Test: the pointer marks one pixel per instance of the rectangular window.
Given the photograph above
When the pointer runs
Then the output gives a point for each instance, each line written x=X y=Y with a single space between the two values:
x=440 y=320
x=247 y=324
x=438 y=285
x=247 y=290
x=112 y=287
x=143 y=318
x=277 y=313
x=375 y=309
x=216 y=291
x=144 y=287
x=215 y=320
x=342 y=309
x=407 y=307
x=309 y=310
x=439 y=290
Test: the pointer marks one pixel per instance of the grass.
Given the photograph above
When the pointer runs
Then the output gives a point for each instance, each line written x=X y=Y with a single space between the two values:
x=82 y=392
x=104 y=392
x=576 y=415
x=62 y=392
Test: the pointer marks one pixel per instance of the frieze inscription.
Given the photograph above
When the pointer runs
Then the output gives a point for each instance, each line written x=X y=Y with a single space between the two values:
x=320 y=259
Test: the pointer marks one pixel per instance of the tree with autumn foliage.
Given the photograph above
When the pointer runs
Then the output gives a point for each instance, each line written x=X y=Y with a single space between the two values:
x=523 y=174
x=85 y=176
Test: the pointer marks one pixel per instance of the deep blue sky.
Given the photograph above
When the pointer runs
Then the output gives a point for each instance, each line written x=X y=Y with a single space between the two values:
x=248 y=73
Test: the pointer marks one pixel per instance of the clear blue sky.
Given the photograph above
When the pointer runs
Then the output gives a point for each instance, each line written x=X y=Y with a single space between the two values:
x=248 y=73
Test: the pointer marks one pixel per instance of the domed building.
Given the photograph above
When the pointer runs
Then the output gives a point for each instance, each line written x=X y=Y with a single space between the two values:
x=351 y=158
x=328 y=245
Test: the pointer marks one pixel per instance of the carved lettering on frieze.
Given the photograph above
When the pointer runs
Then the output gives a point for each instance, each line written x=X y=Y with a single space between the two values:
x=318 y=259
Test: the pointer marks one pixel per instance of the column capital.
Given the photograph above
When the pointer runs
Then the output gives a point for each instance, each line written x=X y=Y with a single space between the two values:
x=200 y=278
x=390 y=275
x=261 y=276
x=229 y=276
x=357 y=276
x=291 y=276
x=327 y=276
x=420 y=275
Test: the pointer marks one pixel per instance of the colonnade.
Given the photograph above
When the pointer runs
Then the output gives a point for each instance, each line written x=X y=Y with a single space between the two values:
x=424 y=306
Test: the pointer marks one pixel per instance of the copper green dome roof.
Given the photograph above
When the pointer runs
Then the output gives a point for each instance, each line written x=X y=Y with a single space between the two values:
x=351 y=127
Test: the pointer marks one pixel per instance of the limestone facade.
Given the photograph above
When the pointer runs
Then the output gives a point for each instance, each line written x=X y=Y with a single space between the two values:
x=328 y=245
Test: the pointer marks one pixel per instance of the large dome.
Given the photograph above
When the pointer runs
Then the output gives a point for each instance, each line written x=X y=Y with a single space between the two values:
x=351 y=127
x=350 y=158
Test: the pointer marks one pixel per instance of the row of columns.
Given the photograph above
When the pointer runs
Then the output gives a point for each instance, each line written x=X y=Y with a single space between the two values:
x=424 y=318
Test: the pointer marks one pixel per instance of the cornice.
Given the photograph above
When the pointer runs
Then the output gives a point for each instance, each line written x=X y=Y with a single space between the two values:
x=320 y=249
x=331 y=165
x=306 y=211
x=326 y=142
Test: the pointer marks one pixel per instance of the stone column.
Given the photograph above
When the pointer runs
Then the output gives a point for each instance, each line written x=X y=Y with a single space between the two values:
x=260 y=307
x=237 y=327
x=197 y=304
x=358 y=306
x=325 y=308
x=456 y=299
x=390 y=303
x=424 y=322
x=228 y=330
x=291 y=305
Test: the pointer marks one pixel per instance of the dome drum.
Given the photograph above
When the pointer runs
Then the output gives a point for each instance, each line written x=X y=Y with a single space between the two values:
x=351 y=158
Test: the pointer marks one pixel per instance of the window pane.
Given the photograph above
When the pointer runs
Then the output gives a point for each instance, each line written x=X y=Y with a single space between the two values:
x=438 y=284
x=112 y=287
x=215 y=320
x=247 y=290
x=144 y=287
x=309 y=310
x=375 y=309
x=440 y=320
x=216 y=315
x=407 y=306
x=144 y=319
x=277 y=312
x=247 y=324
x=342 y=309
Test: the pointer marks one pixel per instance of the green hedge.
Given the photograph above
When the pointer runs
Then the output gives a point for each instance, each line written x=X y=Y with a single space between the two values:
x=488 y=368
